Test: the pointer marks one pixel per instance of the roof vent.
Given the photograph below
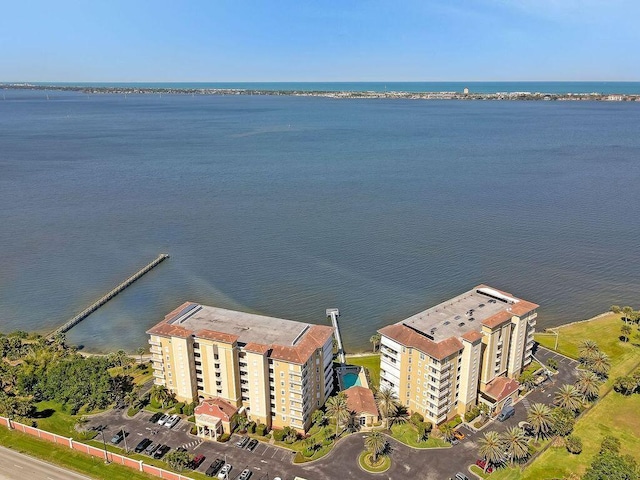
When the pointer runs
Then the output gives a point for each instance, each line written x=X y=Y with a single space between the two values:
x=461 y=324
x=447 y=322
x=471 y=319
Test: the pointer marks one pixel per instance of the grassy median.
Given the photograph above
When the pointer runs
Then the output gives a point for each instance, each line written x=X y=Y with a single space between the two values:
x=67 y=458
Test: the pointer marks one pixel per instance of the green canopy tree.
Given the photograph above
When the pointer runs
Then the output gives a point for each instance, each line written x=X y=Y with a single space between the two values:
x=491 y=448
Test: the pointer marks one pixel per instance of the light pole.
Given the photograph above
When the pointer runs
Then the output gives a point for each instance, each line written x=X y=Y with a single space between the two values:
x=124 y=436
x=104 y=442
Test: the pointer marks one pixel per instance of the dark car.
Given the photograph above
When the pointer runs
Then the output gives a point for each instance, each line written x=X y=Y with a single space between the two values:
x=214 y=467
x=155 y=417
x=144 y=443
x=98 y=428
x=150 y=450
x=482 y=464
x=197 y=461
x=181 y=449
x=251 y=446
x=117 y=438
x=162 y=449
x=242 y=442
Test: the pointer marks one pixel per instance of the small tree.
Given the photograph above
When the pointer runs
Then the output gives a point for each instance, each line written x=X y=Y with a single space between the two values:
x=573 y=444
x=375 y=340
x=627 y=314
x=490 y=448
x=141 y=351
x=552 y=364
x=318 y=418
x=178 y=460
x=615 y=308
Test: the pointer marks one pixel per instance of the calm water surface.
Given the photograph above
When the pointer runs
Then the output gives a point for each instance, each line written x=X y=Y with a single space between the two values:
x=286 y=206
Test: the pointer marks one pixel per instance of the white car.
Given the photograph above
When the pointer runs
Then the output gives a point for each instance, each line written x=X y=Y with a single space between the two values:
x=162 y=420
x=172 y=421
x=224 y=471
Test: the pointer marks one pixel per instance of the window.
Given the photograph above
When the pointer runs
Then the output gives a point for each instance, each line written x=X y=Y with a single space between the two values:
x=363 y=421
x=421 y=356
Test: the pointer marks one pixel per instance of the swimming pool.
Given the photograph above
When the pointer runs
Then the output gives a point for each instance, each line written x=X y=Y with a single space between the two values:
x=350 y=379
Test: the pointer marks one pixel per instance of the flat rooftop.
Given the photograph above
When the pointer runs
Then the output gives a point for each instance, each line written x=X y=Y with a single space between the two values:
x=249 y=328
x=463 y=313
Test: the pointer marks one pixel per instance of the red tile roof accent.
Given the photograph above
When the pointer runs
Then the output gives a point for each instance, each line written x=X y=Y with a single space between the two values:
x=217 y=336
x=216 y=407
x=167 y=330
x=361 y=400
x=497 y=319
x=523 y=307
x=314 y=338
x=410 y=338
x=257 y=348
x=472 y=336
x=501 y=387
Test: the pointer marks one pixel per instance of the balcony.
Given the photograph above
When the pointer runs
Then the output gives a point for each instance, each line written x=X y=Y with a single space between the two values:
x=154 y=342
x=156 y=350
x=158 y=374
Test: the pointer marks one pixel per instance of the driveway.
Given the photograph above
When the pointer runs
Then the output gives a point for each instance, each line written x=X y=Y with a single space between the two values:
x=269 y=461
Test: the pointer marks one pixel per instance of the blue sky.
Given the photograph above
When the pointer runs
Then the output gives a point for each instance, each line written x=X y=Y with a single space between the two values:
x=342 y=40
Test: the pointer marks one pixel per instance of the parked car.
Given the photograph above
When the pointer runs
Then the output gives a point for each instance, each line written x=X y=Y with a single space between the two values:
x=197 y=461
x=98 y=428
x=461 y=476
x=214 y=467
x=242 y=442
x=246 y=473
x=155 y=417
x=251 y=446
x=117 y=438
x=224 y=472
x=163 y=419
x=482 y=464
x=172 y=421
x=458 y=434
x=506 y=412
x=144 y=443
x=181 y=449
x=161 y=451
x=150 y=450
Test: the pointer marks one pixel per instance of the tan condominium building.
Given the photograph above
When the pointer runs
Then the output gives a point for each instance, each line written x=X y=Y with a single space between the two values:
x=447 y=359
x=277 y=371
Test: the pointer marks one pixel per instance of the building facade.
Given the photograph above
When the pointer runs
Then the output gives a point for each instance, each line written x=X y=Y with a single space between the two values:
x=445 y=360
x=276 y=371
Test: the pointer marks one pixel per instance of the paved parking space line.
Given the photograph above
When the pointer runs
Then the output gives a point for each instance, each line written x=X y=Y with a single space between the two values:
x=274 y=453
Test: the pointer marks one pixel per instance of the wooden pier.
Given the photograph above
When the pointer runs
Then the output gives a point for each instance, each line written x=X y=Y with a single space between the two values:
x=334 y=313
x=105 y=298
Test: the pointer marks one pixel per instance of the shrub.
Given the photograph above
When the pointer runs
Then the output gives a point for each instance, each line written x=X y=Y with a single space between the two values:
x=478 y=424
x=327 y=441
x=308 y=452
x=610 y=445
x=132 y=411
x=178 y=408
x=416 y=418
x=194 y=430
x=472 y=414
x=224 y=438
x=189 y=408
x=573 y=444
x=261 y=429
x=279 y=434
x=251 y=427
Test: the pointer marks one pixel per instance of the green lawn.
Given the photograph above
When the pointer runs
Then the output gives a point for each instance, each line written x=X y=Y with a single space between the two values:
x=371 y=363
x=140 y=376
x=407 y=434
x=605 y=331
x=49 y=416
x=67 y=458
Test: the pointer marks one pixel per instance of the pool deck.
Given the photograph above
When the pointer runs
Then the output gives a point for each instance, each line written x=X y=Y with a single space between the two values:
x=355 y=370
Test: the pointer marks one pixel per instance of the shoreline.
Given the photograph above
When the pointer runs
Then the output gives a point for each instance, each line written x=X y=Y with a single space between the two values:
x=508 y=96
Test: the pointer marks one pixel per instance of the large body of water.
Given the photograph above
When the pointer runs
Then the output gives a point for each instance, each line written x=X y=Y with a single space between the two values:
x=287 y=205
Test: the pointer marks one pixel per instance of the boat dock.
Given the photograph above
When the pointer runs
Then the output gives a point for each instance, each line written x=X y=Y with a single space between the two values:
x=68 y=325
x=334 y=313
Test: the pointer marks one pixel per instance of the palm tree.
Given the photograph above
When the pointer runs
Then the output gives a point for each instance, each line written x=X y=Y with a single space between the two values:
x=141 y=351
x=375 y=443
x=540 y=418
x=515 y=444
x=447 y=431
x=589 y=385
x=375 y=339
x=587 y=350
x=626 y=332
x=160 y=394
x=399 y=416
x=491 y=448
x=337 y=408
x=627 y=313
x=387 y=403
x=600 y=364
x=568 y=397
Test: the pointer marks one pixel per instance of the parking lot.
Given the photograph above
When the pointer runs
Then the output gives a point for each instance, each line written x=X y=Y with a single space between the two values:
x=269 y=461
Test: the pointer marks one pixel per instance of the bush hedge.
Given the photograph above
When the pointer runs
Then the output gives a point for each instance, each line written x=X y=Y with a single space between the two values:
x=261 y=430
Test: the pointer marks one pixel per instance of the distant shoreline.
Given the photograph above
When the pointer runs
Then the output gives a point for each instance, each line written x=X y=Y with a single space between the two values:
x=522 y=96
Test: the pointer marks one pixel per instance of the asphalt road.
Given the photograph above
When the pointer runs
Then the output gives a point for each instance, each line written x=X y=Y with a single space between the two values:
x=16 y=466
